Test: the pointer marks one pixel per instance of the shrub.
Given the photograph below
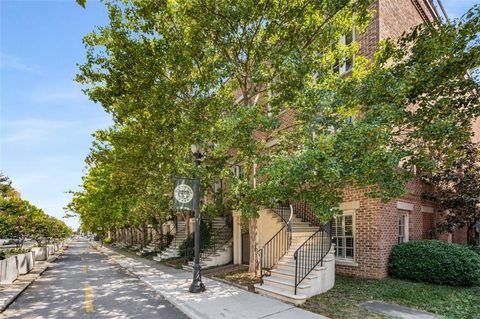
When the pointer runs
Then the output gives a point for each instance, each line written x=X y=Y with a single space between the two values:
x=107 y=240
x=475 y=249
x=436 y=262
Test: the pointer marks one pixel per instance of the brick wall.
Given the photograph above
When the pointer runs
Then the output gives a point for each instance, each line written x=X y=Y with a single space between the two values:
x=399 y=16
x=376 y=229
x=389 y=220
x=367 y=236
x=369 y=40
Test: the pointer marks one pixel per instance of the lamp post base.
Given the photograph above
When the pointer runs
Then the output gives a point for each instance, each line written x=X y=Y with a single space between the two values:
x=197 y=285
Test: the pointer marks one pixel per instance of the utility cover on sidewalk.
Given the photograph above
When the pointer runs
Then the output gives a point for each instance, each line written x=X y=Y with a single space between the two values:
x=397 y=311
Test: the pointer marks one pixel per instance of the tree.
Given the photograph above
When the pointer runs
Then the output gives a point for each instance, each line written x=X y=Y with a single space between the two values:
x=456 y=191
x=172 y=72
x=20 y=219
x=220 y=74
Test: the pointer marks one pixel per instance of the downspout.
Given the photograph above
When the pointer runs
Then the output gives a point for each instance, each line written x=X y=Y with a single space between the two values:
x=443 y=10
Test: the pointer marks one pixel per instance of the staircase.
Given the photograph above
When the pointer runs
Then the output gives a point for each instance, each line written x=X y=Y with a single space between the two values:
x=172 y=250
x=305 y=268
x=147 y=250
x=219 y=249
x=135 y=247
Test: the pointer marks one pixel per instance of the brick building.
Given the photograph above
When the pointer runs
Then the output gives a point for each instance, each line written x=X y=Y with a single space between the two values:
x=368 y=229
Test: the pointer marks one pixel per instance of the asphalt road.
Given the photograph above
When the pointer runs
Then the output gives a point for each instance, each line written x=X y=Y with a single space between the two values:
x=84 y=284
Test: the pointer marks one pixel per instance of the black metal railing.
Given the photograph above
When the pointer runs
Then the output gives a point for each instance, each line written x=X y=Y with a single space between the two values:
x=215 y=243
x=278 y=245
x=303 y=212
x=312 y=252
x=164 y=241
x=211 y=241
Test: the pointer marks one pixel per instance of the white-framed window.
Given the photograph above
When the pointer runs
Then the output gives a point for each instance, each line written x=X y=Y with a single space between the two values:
x=238 y=171
x=217 y=186
x=403 y=227
x=346 y=65
x=343 y=236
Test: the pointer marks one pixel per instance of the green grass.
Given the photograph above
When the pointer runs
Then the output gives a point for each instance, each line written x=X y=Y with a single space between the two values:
x=343 y=300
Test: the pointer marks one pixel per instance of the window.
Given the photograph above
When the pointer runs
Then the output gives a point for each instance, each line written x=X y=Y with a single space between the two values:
x=349 y=61
x=343 y=236
x=346 y=65
x=402 y=227
x=238 y=171
x=217 y=186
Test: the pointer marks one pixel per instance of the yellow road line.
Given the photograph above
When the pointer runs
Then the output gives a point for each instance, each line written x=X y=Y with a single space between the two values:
x=85 y=268
x=88 y=298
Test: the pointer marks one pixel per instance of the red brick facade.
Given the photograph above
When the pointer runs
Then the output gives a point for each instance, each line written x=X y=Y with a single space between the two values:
x=377 y=224
x=377 y=231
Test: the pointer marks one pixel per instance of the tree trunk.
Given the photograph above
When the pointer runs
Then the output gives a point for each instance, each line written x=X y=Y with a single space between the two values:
x=253 y=236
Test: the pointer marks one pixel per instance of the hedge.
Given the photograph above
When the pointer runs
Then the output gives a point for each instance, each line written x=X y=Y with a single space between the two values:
x=436 y=262
x=475 y=249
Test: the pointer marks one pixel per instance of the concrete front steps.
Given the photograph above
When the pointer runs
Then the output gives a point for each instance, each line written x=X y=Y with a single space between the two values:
x=135 y=247
x=281 y=280
x=150 y=248
x=221 y=256
x=172 y=250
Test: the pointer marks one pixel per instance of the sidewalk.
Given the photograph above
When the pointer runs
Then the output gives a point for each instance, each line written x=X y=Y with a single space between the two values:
x=219 y=301
x=8 y=293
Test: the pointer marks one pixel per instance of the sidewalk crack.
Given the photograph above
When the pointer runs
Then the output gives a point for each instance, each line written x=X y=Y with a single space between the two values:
x=276 y=313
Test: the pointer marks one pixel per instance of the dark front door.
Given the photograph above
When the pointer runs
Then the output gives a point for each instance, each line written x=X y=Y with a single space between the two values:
x=245 y=249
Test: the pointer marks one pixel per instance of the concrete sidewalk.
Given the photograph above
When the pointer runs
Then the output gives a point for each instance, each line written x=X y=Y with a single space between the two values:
x=219 y=301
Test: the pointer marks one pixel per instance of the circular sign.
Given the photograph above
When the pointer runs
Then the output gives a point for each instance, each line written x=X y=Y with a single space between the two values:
x=183 y=193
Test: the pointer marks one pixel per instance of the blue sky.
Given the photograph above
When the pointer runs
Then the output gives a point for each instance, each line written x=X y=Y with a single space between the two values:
x=46 y=122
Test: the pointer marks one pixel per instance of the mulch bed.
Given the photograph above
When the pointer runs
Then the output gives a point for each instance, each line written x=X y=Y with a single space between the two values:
x=236 y=274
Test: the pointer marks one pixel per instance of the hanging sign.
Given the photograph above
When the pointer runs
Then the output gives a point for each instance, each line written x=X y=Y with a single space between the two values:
x=183 y=194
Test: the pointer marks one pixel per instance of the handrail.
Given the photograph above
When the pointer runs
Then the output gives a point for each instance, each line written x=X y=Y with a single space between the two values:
x=275 y=248
x=208 y=246
x=303 y=212
x=215 y=243
x=312 y=252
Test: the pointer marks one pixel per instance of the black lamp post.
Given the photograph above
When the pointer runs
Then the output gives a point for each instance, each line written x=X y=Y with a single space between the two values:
x=197 y=285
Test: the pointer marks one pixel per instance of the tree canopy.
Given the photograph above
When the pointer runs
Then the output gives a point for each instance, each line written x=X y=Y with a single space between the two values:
x=221 y=74
x=20 y=219
x=456 y=191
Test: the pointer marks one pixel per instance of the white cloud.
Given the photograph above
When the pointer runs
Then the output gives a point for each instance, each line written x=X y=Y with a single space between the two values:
x=8 y=61
x=32 y=130
x=30 y=180
x=58 y=95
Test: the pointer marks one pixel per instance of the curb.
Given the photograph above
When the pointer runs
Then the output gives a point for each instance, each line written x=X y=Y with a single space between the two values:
x=14 y=297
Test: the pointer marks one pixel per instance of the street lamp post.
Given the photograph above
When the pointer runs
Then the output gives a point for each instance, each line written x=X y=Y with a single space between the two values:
x=197 y=285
